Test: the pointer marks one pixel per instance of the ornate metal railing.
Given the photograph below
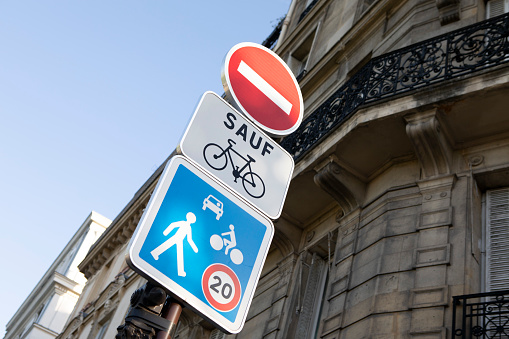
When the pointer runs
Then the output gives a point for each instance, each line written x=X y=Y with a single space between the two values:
x=458 y=53
x=484 y=315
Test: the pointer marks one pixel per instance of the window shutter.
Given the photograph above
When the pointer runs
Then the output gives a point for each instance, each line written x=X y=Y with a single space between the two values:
x=496 y=7
x=311 y=303
x=497 y=240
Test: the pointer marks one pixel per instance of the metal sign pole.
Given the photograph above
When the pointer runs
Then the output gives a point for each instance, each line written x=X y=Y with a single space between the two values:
x=171 y=312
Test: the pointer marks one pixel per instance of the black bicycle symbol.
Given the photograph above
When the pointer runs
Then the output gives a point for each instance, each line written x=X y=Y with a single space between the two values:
x=217 y=158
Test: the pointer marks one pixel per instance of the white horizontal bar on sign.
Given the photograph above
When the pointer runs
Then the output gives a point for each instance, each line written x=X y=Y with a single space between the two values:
x=265 y=87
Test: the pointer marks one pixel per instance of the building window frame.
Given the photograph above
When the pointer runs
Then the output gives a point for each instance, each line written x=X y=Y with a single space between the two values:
x=299 y=58
x=103 y=328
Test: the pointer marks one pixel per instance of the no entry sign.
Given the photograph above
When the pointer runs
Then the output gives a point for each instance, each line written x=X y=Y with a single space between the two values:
x=260 y=84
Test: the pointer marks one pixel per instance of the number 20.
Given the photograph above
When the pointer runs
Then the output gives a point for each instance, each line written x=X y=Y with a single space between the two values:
x=227 y=289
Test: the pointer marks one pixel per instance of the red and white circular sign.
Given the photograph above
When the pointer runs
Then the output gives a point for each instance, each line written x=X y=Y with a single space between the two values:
x=263 y=87
x=221 y=287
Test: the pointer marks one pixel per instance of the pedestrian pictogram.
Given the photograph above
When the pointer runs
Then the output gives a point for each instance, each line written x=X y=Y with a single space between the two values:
x=184 y=232
x=260 y=84
x=227 y=145
x=203 y=243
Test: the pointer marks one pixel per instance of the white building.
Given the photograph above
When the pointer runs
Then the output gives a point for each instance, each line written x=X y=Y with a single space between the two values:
x=45 y=311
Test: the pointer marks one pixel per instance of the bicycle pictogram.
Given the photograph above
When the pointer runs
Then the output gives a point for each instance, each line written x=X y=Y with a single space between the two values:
x=218 y=241
x=217 y=158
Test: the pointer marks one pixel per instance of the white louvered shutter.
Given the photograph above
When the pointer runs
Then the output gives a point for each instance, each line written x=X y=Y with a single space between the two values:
x=496 y=7
x=497 y=240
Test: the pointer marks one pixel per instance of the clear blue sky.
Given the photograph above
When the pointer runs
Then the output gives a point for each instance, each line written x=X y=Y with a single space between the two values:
x=94 y=95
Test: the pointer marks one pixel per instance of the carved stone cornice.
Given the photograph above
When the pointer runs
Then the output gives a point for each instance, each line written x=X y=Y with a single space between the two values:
x=449 y=11
x=430 y=144
x=107 y=301
x=122 y=228
x=282 y=243
x=344 y=187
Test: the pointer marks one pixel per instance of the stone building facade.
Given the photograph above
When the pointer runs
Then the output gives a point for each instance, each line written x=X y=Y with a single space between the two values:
x=46 y=310
x=399 y=200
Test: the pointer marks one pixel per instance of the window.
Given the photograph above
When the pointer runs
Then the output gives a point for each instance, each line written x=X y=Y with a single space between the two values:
x=496 y=7
x=308 y=6
x=38 y=314
x=364 y=5
x=102 y=330
x=310 y=292
x=497 y=240
x=299 y=58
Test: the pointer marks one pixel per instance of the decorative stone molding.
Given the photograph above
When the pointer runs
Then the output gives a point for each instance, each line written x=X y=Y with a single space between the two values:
x=339 y=286
x=347 y=238
x=279 y=296
x=429 y=297
x=432 y=148
x=76 y=322
x=436 y=333
x=282 y=243
x=344 y=187
x=434 y=255
x=449 y=11
x=117 y=236
x=332 y=324
x=442 y=217
x=475 y=160
x=285 y=269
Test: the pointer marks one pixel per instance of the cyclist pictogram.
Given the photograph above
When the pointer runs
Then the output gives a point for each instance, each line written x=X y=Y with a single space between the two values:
x=218 y=241
x=217 y=158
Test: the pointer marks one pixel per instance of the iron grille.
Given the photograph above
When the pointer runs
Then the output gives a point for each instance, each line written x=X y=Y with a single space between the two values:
x=483 y=315
x=457 y=53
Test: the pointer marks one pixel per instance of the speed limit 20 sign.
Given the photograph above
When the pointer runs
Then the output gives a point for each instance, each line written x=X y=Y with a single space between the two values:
x=221 y=287
x=202 y=243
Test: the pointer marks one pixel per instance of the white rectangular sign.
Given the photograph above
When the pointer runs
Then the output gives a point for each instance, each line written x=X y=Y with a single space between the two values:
x=233 y=149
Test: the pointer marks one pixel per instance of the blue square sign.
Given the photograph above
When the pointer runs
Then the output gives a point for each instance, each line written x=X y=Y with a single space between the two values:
x=203 y=243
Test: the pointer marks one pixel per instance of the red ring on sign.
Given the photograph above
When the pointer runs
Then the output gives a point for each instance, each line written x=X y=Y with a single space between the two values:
x=204 y=285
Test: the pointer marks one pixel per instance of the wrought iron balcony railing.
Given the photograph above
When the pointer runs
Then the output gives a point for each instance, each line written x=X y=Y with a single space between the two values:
x=484 y=315
x=458 y=53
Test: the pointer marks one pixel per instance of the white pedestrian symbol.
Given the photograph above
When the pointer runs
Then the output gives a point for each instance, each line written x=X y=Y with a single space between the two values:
x=184 y=230
x=217 y=242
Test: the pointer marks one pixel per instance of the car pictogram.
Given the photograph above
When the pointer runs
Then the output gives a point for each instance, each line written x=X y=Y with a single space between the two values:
x=213 y=204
